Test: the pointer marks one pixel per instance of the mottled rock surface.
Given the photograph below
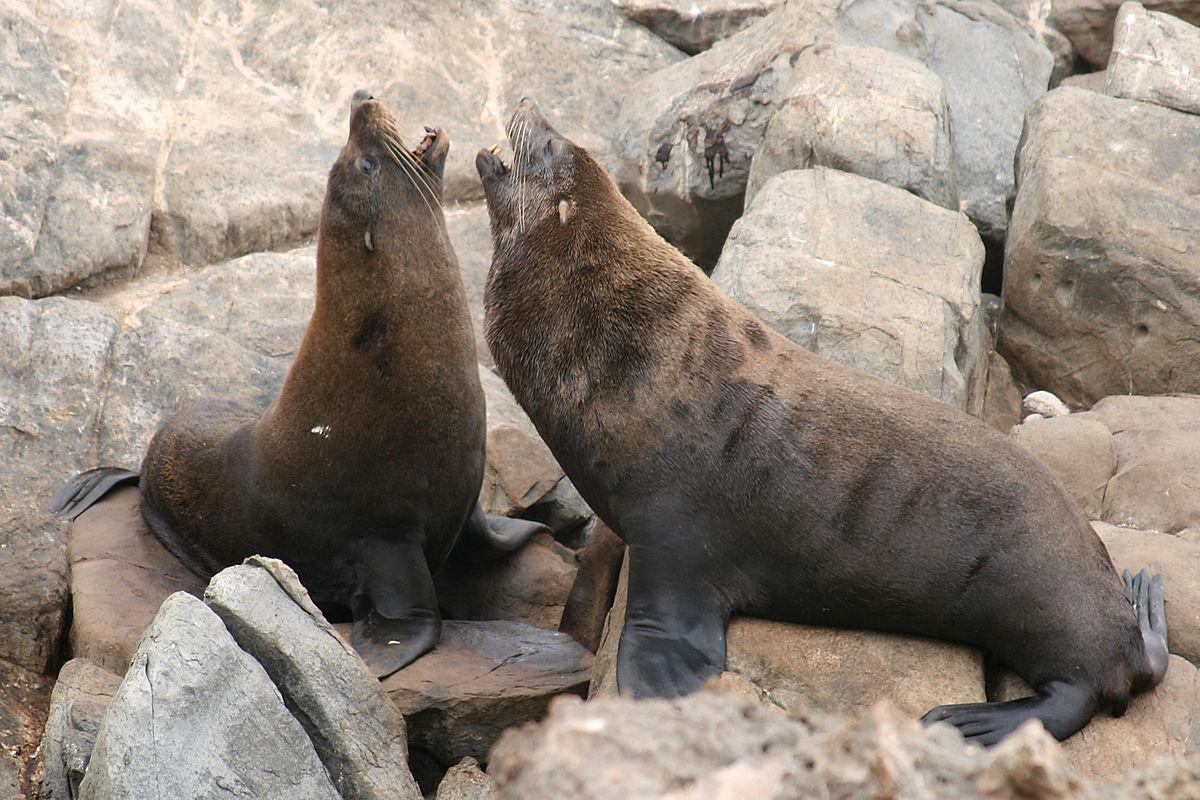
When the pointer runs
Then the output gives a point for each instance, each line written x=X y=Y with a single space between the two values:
x=867 y=275
x=24 y=697
x=82 y=693
x=1102 y=267
x=358 y=733
x=1155 y=58
x=466 y=781
x=1089 y=23
x=196 y=716
x=1078 y=451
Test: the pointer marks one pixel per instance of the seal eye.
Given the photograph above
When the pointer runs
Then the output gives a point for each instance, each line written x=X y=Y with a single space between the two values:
x=366 y=164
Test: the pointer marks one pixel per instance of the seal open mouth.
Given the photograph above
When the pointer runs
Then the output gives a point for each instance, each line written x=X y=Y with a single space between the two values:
x=526 y=126
x=374 y=118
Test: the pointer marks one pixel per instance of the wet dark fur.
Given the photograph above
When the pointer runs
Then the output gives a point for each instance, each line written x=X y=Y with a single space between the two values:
x=748 y=475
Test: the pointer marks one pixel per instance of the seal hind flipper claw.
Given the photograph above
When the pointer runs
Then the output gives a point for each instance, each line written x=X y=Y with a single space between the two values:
x=1061 y=707
x=87 y=488
x=487 y=537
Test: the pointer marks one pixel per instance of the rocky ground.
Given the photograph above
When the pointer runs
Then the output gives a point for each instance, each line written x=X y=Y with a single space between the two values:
x=996 y=202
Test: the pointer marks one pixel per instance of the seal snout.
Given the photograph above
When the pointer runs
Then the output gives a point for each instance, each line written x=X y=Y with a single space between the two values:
x=358 y=98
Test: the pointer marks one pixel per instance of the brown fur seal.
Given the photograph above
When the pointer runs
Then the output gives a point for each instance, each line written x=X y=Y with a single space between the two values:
x=748 y=475
x=367 y=467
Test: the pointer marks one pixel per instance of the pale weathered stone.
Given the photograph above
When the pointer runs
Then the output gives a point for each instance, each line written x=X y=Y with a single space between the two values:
x=82 y=694
x=1155 y=58
x=1089 y=24
x=867 y=275
x=466 y=781
x=1103 y=252
x=1044 y=403
x=1078 y=451
x=866 y=111
x=695 y=26
x=195 y=717
x=357 y=732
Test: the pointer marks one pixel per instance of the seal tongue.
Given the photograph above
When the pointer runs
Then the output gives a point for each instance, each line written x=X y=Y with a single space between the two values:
x=423 y=147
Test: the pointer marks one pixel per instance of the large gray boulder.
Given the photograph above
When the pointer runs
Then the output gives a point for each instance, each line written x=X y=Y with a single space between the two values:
x=196 y=716
x=993 y=67
x=358 y=733
x=692 y=26
x=204 y=130
x=867 y=275
x=866 y=111
x=82 y=693
x=1103 y=258
x=1155 y=58
x=1089 y=24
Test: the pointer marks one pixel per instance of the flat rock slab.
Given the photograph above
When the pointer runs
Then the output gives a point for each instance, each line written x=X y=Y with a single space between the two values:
x=196 y=716
x=1103 y=252
x=484 y=677
x=358 y=733
x=1155 y=58
x=1160 y=724
x=82 y=693
x=120 y=575
x=24 y=697
x=867 y=275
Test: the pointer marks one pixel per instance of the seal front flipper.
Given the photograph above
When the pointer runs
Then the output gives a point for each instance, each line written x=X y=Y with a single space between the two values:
x=396 y=618
x=674 y=635
x=87 y=488
x=486 y=537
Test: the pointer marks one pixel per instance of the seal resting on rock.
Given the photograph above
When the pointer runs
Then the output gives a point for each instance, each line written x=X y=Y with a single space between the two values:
x=748 y=475
x=366 y=469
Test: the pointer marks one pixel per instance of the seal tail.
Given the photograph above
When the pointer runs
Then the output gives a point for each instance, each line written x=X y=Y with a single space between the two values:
x=87 y=488
x=1145 y=594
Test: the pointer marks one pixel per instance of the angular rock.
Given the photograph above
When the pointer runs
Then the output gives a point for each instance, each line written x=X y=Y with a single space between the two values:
x=686 y=135
x=82 y=693
x=867 y=275
x=595 y=588
x=24 y=696
x=196 y=716
x=1092 y=81
x=1103 y=253
x=357 y=732
x=1036 y=15
x=866 y=111
x=1178 y=561
x=1155 y=483
x=484 y=677
x=993 y=69
x=693 y=27
x=1155 y=58
x=34 y=591
x=530 y=586
x=1158 y=725
x=1001 y=398
x=120 y=575
x=466 y=781
x=1078 y=451
x=1089 y=24
x=603 y=681
x=718 y=745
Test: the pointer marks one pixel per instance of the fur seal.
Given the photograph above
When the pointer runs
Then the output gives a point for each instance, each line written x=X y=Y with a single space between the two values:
x=748 y=475
x=364 y=471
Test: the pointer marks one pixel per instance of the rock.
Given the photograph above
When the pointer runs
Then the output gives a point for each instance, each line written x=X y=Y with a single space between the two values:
x=1103 y=251
x=693 y=27
x=1123 y=412
x=182 y=167
x=961 y=40
x=841 y=671
x=196 y=716
x=1092 y=81
x=81 y=695
x=1036 y=16
x=1158 y=724
x=1001 y=398
x=1178 y=561
x=564 y=511
x=484 y=677
x=1044 y=403
x=1155 y=58
x=530 y=586
x=466 y=781
x=603 y=681
x=24 y=696
x=1077 y=451
x=471 y=235
x=718 y=745
x=867 y=275
x=1089 y=24
x=120 y=575
x=595 y=588
x=686 y=136
x=33 y=579
x=357 y=732
x=865 y=111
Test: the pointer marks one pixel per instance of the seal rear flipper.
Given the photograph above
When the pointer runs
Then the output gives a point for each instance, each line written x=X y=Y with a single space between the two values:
x=396 y=618
x=1063 y=708
x=1145 y=594
x=486 y=537
x=87 y=488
